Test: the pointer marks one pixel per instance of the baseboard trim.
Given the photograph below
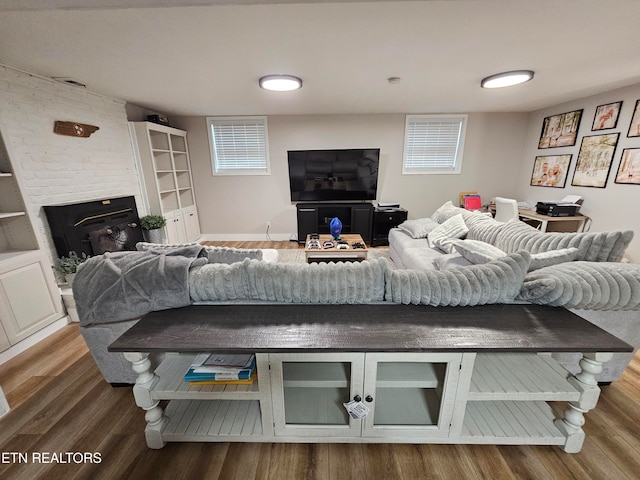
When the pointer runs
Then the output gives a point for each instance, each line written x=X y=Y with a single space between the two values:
x=31 y=340
x=257 y=237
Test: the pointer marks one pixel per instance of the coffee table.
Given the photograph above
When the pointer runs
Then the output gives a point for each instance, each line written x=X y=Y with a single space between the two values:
x=334 y=254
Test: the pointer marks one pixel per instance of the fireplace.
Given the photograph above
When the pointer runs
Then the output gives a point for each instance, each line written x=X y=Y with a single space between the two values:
x=95 y=227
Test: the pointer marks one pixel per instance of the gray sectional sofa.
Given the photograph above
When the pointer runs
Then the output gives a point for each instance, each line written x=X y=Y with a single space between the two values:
x=509 y=265
x=583 y=272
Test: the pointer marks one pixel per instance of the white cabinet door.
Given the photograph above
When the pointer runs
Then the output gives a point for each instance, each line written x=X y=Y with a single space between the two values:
x=29 y=299
x=191 y=224
x=309 y=390
x=410 y=394
x=175 y=227
x=4 y=340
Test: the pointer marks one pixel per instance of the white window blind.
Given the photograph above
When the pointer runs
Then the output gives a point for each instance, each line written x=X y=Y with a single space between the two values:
x=433 y=143
x=239 y=145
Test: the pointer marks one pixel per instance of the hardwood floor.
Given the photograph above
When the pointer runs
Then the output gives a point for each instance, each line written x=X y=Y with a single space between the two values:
x=60 y=403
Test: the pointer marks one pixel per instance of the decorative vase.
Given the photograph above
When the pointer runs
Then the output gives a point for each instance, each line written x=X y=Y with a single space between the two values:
x=336 y=228
x=155 y=236
x=69 y=278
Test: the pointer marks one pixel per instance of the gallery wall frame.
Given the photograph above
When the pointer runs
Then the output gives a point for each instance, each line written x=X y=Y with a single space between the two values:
x=550 y=171
x=594 y=160
x=560 y=130
x=634 y=126
x=629 y=169
x=606 y=116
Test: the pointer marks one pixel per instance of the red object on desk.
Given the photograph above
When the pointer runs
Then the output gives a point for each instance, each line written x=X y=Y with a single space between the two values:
x=472 y=202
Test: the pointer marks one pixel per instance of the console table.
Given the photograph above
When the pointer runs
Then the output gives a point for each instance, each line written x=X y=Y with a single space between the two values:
x=426 y=374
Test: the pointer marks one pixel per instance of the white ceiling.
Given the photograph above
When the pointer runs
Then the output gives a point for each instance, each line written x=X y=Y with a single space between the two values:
x=206 y=59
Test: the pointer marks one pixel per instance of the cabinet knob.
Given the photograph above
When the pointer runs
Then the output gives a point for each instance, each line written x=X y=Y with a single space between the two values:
x=368 y=398
x=357 y=398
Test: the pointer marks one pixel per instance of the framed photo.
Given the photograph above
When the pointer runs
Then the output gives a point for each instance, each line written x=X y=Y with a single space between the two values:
x=550 y=171
x=634 y=128
x=606 y=116
x=629 y=169
x=594 y=160
x=560 y=130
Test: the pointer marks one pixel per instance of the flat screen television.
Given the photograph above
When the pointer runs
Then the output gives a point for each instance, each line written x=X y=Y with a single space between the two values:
x=333 y=175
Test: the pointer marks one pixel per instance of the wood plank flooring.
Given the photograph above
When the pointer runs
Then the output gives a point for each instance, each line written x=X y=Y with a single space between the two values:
x=60 y=403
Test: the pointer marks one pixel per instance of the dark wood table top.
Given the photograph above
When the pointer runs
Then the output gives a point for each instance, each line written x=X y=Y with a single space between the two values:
x=366 y=328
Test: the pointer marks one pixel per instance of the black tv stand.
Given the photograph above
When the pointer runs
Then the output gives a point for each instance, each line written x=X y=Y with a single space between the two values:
x=315 y=218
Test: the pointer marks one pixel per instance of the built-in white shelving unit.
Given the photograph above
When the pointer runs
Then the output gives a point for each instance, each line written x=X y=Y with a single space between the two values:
x=163 y=158
x=29 y=297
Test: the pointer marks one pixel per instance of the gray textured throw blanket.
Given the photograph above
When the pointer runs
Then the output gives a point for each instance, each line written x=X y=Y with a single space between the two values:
x=125 y=285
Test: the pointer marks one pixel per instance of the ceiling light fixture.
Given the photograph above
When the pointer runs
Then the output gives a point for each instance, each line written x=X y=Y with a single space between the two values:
x=280 y=83
x=507 y=79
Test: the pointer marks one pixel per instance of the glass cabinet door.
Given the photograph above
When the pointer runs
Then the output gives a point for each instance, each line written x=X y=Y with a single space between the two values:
x=310 y=390
x=410 y=394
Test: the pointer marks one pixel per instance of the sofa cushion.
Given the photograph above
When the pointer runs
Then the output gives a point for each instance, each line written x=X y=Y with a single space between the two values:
x=451 y=228
x=450 y=260
x=420 y=258
x=584 y=285
x=418 y=228
x=446 y=211
x=592 y=246
x=231 y=255
x=253 y=280
x=498 y=281
x=552 y=257
x=477 y=252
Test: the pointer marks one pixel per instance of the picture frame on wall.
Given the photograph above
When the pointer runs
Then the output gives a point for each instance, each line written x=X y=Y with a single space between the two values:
x=594 y=160
x=606 y=116
x=560 y=130
x=634 y=126
x=629 y=169
x=550 y=171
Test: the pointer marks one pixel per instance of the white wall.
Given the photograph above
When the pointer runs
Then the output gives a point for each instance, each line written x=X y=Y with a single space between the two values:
x=233 y=207
x=610 y=208
x=55 y=169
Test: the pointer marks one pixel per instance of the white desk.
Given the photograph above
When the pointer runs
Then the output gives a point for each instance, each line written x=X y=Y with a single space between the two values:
x=574 y=223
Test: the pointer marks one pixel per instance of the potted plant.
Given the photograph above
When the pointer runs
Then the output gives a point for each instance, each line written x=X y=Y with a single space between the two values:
x=152 y=226
x=67 y=266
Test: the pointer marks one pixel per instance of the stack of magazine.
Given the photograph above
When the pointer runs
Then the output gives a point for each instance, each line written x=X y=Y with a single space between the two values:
x=220 y=369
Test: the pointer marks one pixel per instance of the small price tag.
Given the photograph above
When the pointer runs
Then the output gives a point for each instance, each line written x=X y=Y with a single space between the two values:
x=356 y=409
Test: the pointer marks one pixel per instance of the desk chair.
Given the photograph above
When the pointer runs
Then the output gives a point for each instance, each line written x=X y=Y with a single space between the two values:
x=506 y=209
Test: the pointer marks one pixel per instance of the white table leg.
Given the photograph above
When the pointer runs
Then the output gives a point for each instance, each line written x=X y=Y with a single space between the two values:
x=142 y=393
x=585 y=381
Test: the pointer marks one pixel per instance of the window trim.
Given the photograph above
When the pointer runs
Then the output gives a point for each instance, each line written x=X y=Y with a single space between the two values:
x=457 y=165
x=229 y=172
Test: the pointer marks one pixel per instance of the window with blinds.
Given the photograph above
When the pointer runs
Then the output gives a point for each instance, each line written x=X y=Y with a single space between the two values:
x=239 y=145
x=433 y=144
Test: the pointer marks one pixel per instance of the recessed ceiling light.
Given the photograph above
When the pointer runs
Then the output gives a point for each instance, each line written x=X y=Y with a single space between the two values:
x=507 y=79
x=280 y=83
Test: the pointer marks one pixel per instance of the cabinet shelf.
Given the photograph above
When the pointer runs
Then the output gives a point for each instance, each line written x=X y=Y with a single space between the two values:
x=409 y=375
x=511 y=423
x=212 y=420
x=316 y=375
x=172 y=385
x=517 y=376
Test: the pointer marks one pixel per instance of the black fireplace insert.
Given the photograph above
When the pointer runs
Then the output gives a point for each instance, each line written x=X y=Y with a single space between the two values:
x=95 y=227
